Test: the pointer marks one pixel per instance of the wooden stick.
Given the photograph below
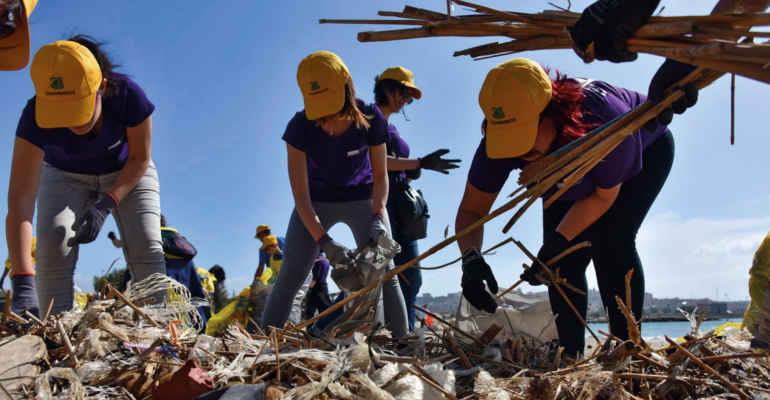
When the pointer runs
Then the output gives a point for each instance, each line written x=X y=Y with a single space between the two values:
x=420 y=373
x=67 y=344
x=705 y=367
x=554 y=260
x=733 y=357
x=732 y=109
x=457 y=350
x=487 y=251
x=277 y=348
x=48 y=311
x=558 y=288
x=133 y=306
x=447 y=323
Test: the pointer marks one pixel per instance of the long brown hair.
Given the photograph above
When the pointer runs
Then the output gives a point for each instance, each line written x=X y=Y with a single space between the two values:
x=350 y=109
x=566 y=109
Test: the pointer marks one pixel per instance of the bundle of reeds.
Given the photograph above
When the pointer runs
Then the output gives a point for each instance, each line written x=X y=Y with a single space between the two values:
x=720 y=42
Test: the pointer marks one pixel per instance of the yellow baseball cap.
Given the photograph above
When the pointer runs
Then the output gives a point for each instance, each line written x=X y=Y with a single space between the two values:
x=403 y=75
x=67 y=78
x=14 y=48
x=260 y=229
x=512 y=97
x=322 y=77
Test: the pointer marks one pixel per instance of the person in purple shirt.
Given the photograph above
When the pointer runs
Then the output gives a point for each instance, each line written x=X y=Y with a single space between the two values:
x=82 y=151
x=318 y=298
x=394 y=88
x=604 y=28
x=527 y=115
x=338 y=173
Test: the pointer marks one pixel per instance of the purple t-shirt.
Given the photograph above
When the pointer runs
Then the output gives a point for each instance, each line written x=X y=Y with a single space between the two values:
x=321 y=269
x=338 y=167
x=93 y=154
x=603 y=102
x=396 y=147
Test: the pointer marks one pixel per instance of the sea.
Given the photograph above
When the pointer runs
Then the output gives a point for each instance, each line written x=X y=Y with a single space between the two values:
x=671 y=329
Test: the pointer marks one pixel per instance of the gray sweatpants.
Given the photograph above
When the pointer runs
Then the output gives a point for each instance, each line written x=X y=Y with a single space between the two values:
x=62 y=198
x=301 y=251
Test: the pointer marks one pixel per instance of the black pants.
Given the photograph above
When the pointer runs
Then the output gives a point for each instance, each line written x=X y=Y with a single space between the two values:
x=613 y=249
x=317 y=300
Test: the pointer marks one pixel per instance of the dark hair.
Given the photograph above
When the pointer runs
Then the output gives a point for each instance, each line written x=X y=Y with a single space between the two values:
x=10 y=13
x=384 y=86
x=566 y=109
x=163 y=220
x=218 y=272
x=105 y=63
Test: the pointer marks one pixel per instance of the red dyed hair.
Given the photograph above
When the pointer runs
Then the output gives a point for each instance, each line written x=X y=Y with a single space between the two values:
x=565 y=109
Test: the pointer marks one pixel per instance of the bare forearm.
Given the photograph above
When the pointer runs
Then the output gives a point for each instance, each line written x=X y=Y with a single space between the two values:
x=740 y=6
x=473 y=240
x=583 y=214
x=310 y=219
x=129 y=176
x=402 y=164
x=380 y=194
x=18 y=233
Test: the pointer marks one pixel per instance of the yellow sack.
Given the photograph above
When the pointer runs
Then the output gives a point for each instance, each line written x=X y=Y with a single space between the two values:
x=757 y=316
x=237 y=310
x=34 y=250
x=80 y=300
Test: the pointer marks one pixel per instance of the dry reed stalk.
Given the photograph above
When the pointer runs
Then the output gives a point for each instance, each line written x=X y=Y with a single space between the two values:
x=552 y=278
x=711 y=371
x=552 y=261
x=133 y=306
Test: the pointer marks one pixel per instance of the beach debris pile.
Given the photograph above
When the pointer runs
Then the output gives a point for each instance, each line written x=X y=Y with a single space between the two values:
x=129 y=347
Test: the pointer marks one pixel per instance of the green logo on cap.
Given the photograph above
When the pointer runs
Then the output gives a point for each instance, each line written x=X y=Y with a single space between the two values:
x=498 y=113
x=57 y=83
x=314 y=86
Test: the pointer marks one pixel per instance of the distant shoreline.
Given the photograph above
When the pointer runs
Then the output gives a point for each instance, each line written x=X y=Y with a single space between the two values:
x=669 y=319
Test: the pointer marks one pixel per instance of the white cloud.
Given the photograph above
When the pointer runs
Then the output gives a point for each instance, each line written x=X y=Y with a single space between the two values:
x=698 y=256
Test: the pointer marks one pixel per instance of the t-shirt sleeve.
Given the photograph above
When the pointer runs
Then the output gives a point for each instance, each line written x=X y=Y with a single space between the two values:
x=294 y=134
x=377 y=133
x=489 y=175
x=137 y=106
x=27 y=128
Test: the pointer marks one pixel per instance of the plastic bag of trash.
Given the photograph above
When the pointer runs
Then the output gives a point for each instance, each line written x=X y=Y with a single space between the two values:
x=517 y=314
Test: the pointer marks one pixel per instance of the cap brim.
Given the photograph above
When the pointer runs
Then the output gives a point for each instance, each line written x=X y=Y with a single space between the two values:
x=14 y=49
x=511 y=139
x=414 y=91
x=57 y=113
x=323 y=104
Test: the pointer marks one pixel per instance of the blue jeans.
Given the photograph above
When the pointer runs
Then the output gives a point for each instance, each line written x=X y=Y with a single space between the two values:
x=409 y=280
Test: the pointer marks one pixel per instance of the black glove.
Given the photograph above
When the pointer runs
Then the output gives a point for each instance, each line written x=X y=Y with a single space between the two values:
x=476 y=271
x=434 y=162
x=87 y=227
x=668 y=74
x=552 y=247
x=608 y=24
x=335 y=252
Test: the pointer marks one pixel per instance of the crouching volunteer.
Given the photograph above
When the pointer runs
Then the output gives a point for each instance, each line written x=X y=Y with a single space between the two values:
x=338 y=173
x=14 y=33
x=82 y=150
x=528 y=115
x=408 y=211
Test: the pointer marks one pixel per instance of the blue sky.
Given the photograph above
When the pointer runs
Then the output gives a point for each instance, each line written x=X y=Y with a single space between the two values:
x=222 y=75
